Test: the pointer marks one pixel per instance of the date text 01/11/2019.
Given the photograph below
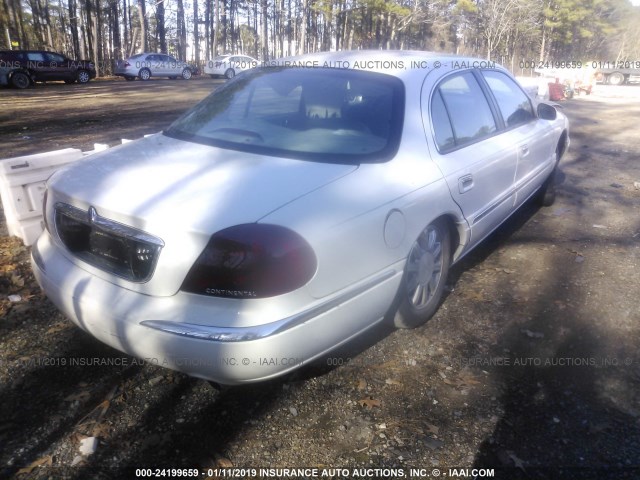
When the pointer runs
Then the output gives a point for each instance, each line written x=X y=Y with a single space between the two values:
x=313 y=472
x=577 y=64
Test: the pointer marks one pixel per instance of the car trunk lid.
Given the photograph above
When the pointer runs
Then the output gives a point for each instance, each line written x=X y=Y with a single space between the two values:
x=181 y=193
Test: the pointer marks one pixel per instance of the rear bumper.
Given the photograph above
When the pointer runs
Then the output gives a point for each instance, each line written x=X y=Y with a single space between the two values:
x=180 y=332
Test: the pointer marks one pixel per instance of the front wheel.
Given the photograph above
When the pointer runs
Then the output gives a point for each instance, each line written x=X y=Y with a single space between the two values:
x=230 y=73
x=83 y=76
x=425 y=276
x=186 y=74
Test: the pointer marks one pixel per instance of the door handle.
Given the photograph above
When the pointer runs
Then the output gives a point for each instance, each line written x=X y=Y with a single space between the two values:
x=465 y=183
x=524 y=150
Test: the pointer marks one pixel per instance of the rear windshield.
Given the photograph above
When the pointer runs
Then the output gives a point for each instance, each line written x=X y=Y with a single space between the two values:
x=326 y=115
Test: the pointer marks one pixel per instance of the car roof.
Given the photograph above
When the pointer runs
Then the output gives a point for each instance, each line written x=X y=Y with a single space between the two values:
x=142 y=54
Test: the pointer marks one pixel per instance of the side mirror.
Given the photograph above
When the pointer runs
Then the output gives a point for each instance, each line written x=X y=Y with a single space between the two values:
x=547 y=112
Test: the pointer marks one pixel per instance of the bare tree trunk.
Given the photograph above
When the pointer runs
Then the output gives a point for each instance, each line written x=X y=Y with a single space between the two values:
x=182 y=32
x=223 y=26
x=24 y=39
x=160 y=28
x=73 y=21
x=207 y=29
x=96 y=57
x=265 y=31
x=47 y=19
x=303 y=27
x=216 y=32
x=144 y=25
x=196 y=33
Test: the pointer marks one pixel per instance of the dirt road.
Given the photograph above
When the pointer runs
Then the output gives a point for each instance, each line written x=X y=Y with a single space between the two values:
x=57 y=115
x=531 y=367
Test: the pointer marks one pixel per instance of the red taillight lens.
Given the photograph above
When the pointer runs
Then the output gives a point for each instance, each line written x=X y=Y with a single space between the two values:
x=252 y=261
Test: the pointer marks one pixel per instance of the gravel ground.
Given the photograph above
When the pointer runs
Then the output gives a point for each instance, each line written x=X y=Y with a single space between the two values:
x=531 y=367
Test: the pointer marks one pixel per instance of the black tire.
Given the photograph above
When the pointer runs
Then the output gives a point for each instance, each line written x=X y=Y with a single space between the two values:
x=616 y=78
x=129 y=79
x=424 y=277
x=83 y=76
x=144 y=74
x=20 y=80
x=230 y=73
x=546 y=196
x=547 y=192
x=186 y=74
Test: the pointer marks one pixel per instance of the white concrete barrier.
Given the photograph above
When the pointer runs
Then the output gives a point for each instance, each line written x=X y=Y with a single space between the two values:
x=22 y=187
x=23 y=183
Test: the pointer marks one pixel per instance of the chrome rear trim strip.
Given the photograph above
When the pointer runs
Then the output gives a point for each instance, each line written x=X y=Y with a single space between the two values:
x=244 y=334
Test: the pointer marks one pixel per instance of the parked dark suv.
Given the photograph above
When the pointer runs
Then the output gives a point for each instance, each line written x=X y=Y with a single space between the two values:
x=21 y=68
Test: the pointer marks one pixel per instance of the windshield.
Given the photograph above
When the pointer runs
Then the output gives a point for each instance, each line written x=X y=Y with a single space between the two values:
x=326 y=115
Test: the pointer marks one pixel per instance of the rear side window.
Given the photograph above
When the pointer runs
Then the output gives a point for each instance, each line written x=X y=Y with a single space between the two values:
x=514 y=104
x=35 y=56
x=470 y=116
x=441 y=123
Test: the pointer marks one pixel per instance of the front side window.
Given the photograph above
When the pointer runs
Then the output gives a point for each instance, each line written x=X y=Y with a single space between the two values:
x=470 y=115
x=326 y=115
x=514 y=104
x=54 y=57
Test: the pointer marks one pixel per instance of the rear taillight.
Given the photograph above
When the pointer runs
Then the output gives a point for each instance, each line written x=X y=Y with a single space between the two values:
x=127 y=64
x=252 y=261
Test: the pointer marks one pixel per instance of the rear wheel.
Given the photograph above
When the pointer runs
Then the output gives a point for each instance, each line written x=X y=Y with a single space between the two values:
x=144 y=74
x=20 y=80
x=547 y=193
x=186 y=74
x=616 y=78
x=425 y=276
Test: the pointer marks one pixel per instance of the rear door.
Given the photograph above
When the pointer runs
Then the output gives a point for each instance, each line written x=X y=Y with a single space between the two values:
x=478 y=163
x=533 y=137
x=38 y=65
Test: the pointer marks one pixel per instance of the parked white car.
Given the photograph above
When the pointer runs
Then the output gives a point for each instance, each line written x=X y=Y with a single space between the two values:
x=229 y=65
x=147 y=65
x=293 y=209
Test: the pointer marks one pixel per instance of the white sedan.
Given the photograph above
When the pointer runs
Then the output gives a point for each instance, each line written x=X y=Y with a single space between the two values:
x=297 y=206
x=229 y=65
x=147 y=65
